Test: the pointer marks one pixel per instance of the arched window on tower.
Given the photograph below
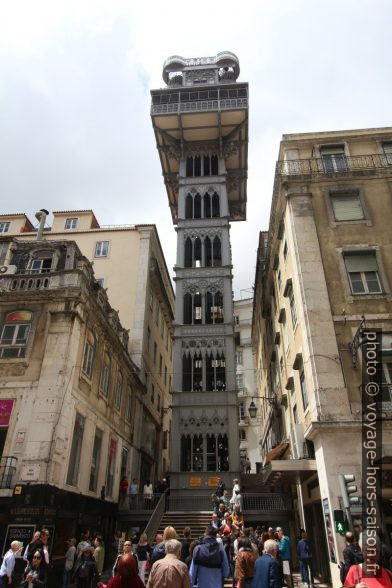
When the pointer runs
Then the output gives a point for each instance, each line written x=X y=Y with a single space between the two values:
x=189 y=167
x=197 y=309
x=188 y=253
x=197 y=166
x=211 y=453
x=189 y=206
x=186 y=453
x=207 y=205
x=214 y=308
x=188 y=303
x=197 y=252
x=197 y=206
x=192 y=373
x=208 y=252
x=207 y=166
x=186 y=373
x=214 y=165
x=197 y=453
x=223 y=453
x=217 y=252
x=216 y=373
x=215 y=205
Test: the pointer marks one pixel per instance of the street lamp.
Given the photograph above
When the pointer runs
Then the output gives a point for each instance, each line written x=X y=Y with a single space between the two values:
x=253 y=408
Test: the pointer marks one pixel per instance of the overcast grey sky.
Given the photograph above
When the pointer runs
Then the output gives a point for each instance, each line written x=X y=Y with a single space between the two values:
x=75 y=75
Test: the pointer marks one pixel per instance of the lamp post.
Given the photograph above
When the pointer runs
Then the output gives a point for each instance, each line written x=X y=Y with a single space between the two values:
x=253 y=408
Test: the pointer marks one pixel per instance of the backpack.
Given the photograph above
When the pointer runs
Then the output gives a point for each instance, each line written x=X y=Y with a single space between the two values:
x=208 y=554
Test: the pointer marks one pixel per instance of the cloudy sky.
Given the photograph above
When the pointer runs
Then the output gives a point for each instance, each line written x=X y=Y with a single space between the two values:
x=75 y=75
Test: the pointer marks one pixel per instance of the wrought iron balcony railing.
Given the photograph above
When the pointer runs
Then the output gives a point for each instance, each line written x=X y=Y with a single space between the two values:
x=339 y=164
x=7 y=471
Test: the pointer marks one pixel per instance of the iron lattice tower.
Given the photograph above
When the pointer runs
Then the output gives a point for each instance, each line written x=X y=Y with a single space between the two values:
x=200 y=120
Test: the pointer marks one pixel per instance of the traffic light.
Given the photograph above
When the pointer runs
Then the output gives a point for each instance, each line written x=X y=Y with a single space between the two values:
x=340 y=523
x=347 y=488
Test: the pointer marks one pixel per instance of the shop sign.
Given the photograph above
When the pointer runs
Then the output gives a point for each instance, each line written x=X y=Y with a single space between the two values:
x=6 y=406
x=213 y=481
x=23 y=533
x=195 y=482
x=30 y=473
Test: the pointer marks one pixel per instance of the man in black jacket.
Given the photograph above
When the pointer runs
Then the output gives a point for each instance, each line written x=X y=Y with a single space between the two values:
x=352 y=555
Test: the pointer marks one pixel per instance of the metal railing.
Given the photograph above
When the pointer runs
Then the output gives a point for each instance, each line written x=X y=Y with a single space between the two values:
x=7 y=471
x=140 y=503
x=339 y=164
x=267 y=501
x=200 y=106
x=155 y=519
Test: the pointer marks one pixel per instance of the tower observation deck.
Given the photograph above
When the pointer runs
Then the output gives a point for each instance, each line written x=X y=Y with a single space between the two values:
x=200 y=120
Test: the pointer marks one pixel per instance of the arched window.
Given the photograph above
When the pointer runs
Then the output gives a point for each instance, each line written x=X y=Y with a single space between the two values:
x=197 y=206
x=188 y=206
x=197 y=309
x=214 y=165
x=197 y=453
x=15 y=333
x=211 y=453
x=216 y=373
x=214 y=308
x=223 y=453
x=207 y=166
x=105 y=375
x=217 y=252
x=89 y=353
x=207 y=205
x=188 y=309
x=197 y=166
x=208 y=252
x=186 y=452
x=188 y=252
x=189 y=167
x=118 y=391
x=215 y=205
x=187 y=373
x=192 y=375
x=197 y=252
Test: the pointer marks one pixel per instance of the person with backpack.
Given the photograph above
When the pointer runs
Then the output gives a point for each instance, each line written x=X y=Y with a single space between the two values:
x=209 y=563
x=85 y=572
x=70 y=559
x=304 y=556
x=352 y=555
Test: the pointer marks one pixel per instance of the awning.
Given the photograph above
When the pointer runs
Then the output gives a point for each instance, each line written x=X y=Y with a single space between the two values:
x=275 y=453
x=289 y=471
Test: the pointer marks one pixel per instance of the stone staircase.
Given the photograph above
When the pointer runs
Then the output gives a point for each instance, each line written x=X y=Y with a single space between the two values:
x=197 y=521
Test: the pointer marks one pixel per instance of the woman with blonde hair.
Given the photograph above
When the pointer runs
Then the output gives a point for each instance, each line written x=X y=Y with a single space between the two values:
x=159 y=551
x=143 y=552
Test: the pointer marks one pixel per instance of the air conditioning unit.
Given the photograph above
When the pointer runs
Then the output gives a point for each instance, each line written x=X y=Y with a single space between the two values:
x=8 y=269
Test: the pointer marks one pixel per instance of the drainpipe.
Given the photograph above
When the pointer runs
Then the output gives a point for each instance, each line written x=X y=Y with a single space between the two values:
x=41 y=217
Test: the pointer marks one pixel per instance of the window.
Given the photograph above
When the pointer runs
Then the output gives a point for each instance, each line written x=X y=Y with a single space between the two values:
x=150 y=300
x=5 y=227
x=148 y=340
x=101 y=249
x=333 y=158
x=95 y=460
x=42 y=263
x=111 y=467
x=105 y=375
x=362 y=270
x=387 y=369
x=285 y=250
x=152 y=394
x=89 y=352
x=236 y=319
x=279 y=276
x=100 y=281
x=128 y=408
x=155 y=353
x=3 y=252
x=71 y=223
x=157 y=313
x=295 y=414
x=238 y=357
x=386 y=147
x=76 y=448
x=15 y=334
x=118 y=392
x=241 y=411
x=242 y=434
x=160 y=365
x=347 y=206
x=159 y=403
x=293 y=309
x=165 y=380
x=239 y=381
x=304 y=391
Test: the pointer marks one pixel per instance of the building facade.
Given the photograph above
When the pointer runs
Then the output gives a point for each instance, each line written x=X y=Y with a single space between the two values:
x=323 y=277
x=130 y=266
x=71 y=399
x=200 y=124
x=248 y=422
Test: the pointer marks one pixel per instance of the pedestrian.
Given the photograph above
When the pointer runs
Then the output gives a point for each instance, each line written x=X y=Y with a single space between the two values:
x=247 y=465
x=225 y=500
x=170 y=571
x=70 y=558
x=220 y=488
x=85 y=572
x=127 y=548
x=133 y=492
x=85 y=541
x=143 y=552
x=99 y=554
x=30 y=545
x=215 y=502
x=186 y=543
x=238 y=500
x=123 y=491
x=236 y=487
x=267 y=572
x=36 y=572
x=7 y=567
x=285 y=556
x=215 y=523
x=352 y=555
x=188 y=560
x=209 y=563
x=238 y=518
x=375 y=575
x=42 y=544
x=304 y=557
x=244 y=564
x=159 y=549
x=127 y=574
x=148 y=495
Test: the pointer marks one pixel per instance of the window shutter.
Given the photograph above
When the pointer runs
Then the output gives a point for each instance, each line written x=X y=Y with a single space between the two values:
x=347 y=207
x=365 y=262
x=332 y=150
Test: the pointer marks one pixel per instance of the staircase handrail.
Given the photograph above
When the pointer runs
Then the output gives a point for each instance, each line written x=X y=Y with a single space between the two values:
x=153 y=523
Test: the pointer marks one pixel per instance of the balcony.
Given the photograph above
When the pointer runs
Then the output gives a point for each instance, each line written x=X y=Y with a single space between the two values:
x=242 y=392
x=7 y=471
x=329 y=166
